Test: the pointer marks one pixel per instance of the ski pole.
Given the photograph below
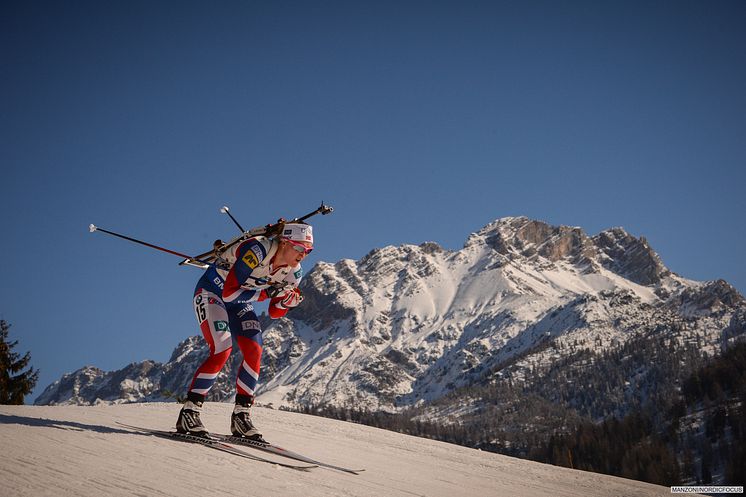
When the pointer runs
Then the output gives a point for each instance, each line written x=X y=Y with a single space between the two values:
x=93 y=228
x=226 y=210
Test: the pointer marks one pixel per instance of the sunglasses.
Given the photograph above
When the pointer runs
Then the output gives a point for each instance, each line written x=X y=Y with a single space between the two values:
x=299 y=247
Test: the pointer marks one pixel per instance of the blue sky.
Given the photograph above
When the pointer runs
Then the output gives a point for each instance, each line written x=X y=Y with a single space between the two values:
x=417 y=121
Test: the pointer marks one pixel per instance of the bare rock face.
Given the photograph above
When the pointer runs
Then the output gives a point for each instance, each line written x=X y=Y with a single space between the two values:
x=630 y=257
x=614 y=249
x=282 y=346
x=320 y=307
x=714 y=297
x=531 y=239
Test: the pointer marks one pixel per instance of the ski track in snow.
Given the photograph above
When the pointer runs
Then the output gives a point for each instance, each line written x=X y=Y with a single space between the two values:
x=80 y=451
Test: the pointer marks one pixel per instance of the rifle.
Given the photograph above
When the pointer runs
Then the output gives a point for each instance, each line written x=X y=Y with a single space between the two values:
x=268 y=230
x=205 y=260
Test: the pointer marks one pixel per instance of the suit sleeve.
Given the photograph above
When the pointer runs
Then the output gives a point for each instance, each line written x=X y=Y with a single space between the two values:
x=248 y=256
x=276 y=309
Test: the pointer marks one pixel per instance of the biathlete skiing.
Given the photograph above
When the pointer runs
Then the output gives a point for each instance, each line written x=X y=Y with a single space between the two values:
x=257 y=269
x=262 y=263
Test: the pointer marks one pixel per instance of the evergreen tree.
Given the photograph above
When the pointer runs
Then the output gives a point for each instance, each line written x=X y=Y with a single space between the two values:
x=13 y=388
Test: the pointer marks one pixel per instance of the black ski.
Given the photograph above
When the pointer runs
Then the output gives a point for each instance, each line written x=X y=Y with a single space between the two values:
x=274 y=449
x=214 y=443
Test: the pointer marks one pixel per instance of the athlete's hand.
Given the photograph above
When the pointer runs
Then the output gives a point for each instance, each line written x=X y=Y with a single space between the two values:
x=292 y=298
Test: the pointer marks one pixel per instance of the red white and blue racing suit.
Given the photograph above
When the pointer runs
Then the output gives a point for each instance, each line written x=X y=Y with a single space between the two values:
x=223 y=304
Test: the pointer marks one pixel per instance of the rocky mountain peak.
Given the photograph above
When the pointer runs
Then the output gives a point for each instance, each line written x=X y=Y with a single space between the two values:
x=530 y=239
x=616 y=250
x=630 y=257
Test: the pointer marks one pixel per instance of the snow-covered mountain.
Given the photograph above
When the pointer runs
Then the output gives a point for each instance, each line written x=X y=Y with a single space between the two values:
x=405 y=325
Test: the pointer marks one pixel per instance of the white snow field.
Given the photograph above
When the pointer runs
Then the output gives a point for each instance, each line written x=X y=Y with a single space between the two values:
x=81 y=451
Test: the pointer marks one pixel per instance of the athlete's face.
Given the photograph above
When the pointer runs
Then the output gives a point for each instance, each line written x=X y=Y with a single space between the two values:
x=290 y=253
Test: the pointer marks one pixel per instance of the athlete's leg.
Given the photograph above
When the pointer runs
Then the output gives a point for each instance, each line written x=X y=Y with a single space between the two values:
x=213 y=322
x=248 y=332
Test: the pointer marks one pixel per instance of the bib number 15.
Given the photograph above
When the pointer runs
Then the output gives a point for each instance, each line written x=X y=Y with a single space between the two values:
x=199 y=308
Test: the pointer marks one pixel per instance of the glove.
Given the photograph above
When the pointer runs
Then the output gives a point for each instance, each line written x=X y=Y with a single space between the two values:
x=292 y=298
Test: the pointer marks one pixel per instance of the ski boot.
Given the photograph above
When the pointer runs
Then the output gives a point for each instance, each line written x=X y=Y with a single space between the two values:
x=241 y=425
x=189 y=422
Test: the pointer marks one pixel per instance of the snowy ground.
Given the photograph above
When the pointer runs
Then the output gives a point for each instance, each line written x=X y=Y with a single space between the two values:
x=80 y=451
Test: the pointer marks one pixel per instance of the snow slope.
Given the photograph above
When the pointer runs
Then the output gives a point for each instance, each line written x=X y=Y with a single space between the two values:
x=80 y=451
